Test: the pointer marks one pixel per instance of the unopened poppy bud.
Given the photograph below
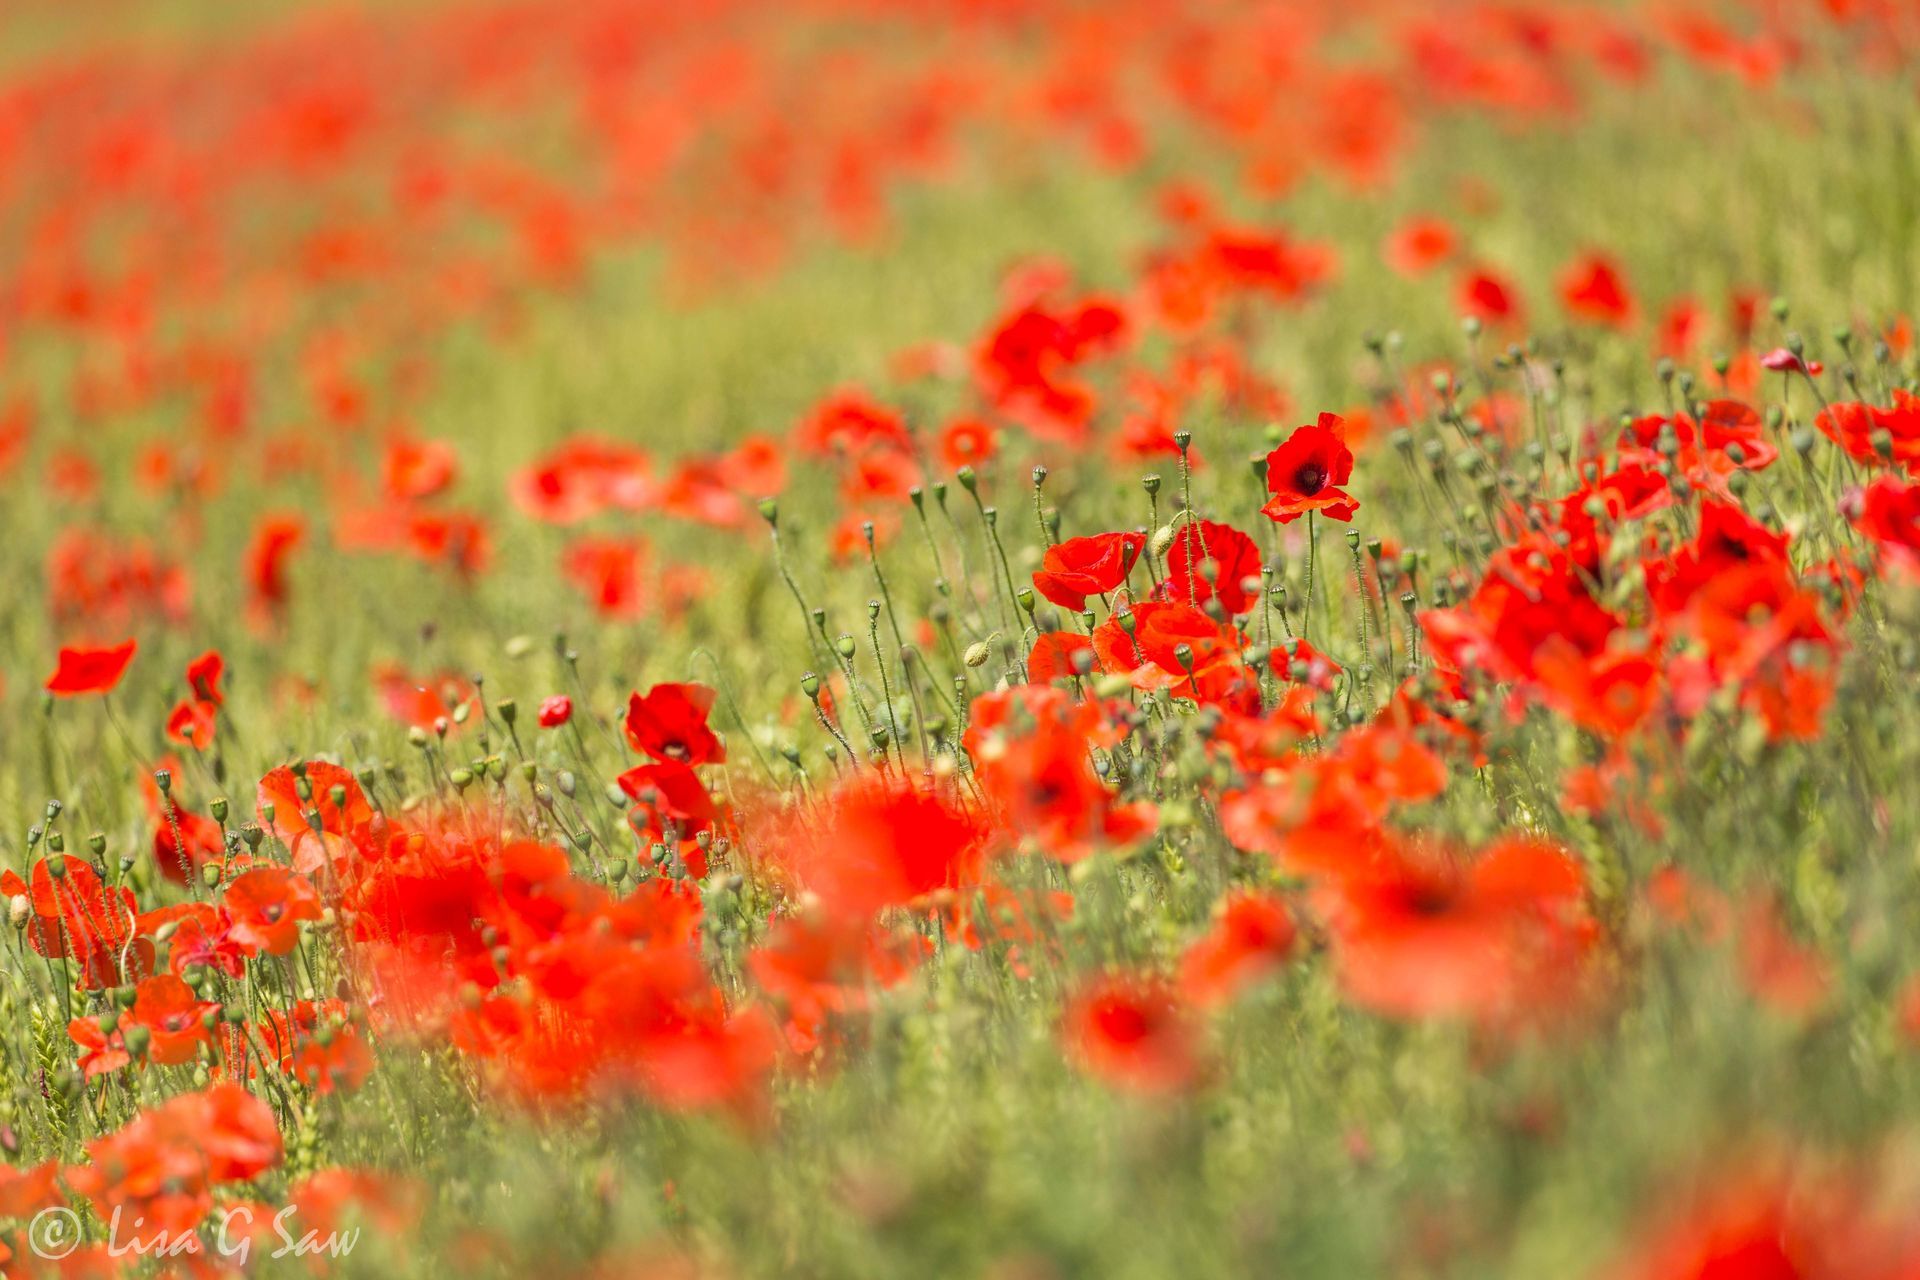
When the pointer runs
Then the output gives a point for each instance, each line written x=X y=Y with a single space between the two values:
x=302 y=787
x=461 y=712
x=166 y=931
x=57 y=868
x=440 y=726
x=519 y=646
x=564 y=780
x=529 y=770
x=108 y=1022
x=137 y=1039
x=19 y=910
x=1801 y=440
x=1778 y=307
x=769 y=511
x=461 y=778
x=1162 y=539
x=1882 y=440
x=417 y=736
x=1796 y=344
x=977 y=654
x=210 y=876
x=1471 y=326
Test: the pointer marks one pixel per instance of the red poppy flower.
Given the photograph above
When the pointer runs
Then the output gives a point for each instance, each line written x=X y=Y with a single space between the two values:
x=1071 y=571
x=1420 y=244
x=347 y=820
x=669 y=723
x=1888 y=512
x=203 y=677
x=670 y=793
x=1592 y=290
x=417 y=469
x=174 y=1017
x=967 y=442
x=1253 y=937
x=191 y=724
x=879 y=845
x=1488 y=297
x=1055 y=655
x=555 y=711
x=265 y=907
x=75 y=914
x=1305 y=473
x=101 y=1054
x=1208 y=561
x=1135 y=1033
x=1424 y=934
x=275 y=540
x=83 y=671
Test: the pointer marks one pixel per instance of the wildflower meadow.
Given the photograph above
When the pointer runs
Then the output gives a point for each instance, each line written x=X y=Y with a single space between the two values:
x=1006 y=639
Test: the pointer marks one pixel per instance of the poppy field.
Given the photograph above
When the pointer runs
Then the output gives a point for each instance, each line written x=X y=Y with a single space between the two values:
x=1017 y=639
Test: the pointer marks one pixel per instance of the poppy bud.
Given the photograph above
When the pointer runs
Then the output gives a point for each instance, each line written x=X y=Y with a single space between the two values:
x=977 y=654
x=769 y=511
x=210 y=876
x=1801 y=440
x=519 y=646
x=1882 y=440
x=1778 y=307
x=19 y=910
x=137 y=1039
x=1162 y=539
x=166 y=931
x=564 y=780
x=57 y=870
x=461 y=779
x=417 y=736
